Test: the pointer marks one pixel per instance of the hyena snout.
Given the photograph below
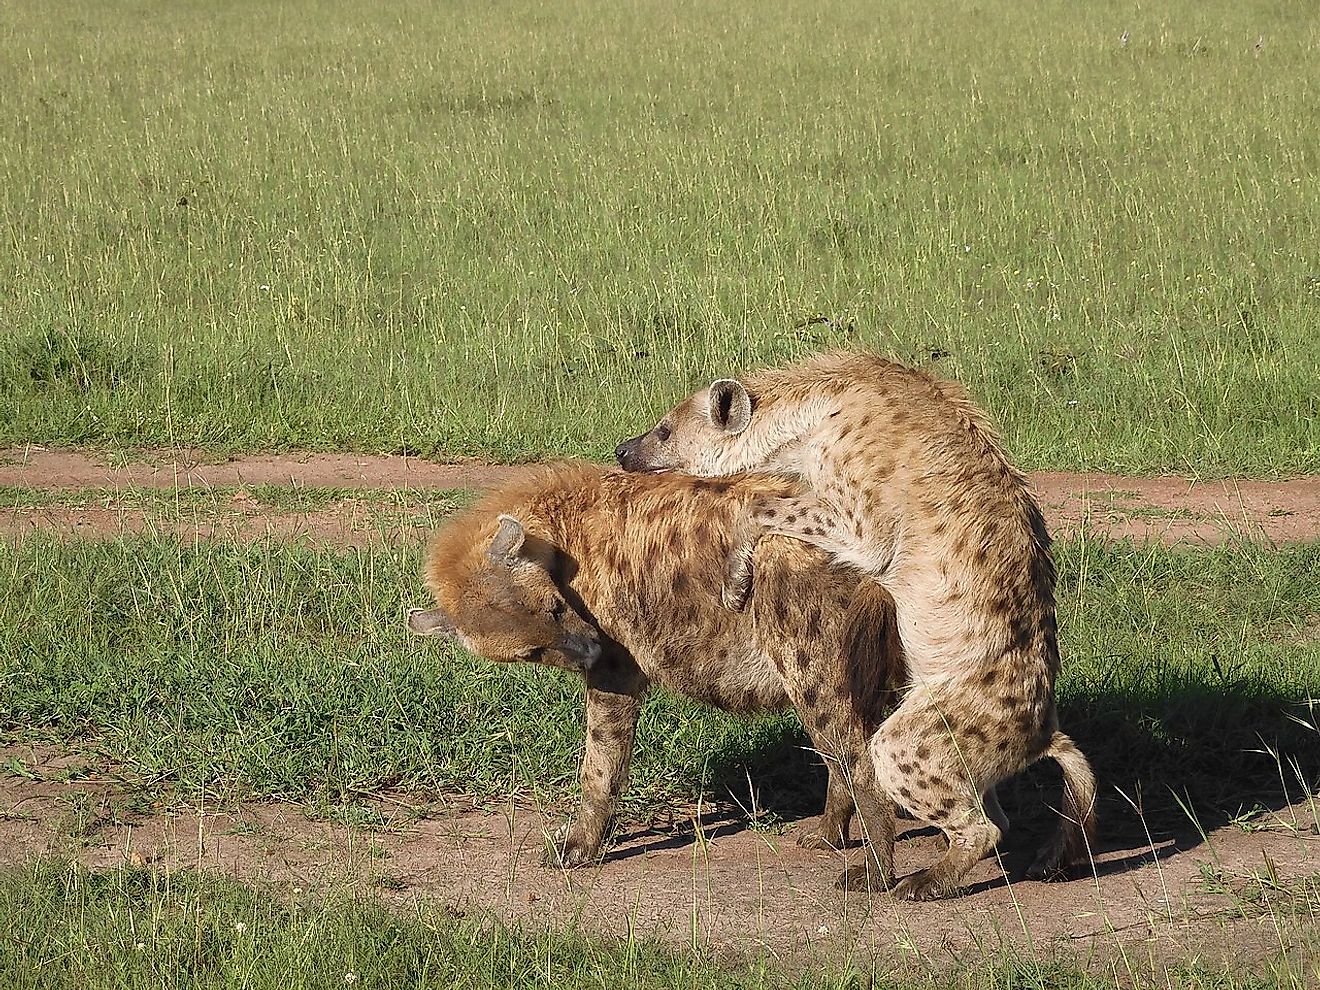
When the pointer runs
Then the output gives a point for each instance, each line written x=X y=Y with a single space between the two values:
x=629 y=454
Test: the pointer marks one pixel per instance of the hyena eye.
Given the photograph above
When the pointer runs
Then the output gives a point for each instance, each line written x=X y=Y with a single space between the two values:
x=662 y=432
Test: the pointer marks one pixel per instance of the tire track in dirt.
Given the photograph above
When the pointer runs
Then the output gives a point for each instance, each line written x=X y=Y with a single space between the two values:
x=1162 y=508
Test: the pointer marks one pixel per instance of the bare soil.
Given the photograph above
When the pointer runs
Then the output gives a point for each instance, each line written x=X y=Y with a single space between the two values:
x=1162 y=508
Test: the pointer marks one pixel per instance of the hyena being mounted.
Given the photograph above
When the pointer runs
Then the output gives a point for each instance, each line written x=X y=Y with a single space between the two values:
x=617 y=577
x=907 y=482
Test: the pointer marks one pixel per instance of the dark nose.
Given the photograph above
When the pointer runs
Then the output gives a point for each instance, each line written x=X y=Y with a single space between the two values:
x=622 y=451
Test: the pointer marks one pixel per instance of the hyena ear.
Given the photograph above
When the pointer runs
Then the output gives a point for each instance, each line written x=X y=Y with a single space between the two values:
x=508 y=542
x=730 y=405
x=430 y=622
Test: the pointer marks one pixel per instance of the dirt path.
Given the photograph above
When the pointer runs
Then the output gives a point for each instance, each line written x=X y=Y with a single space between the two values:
x=738 y=889
x=1168 y=509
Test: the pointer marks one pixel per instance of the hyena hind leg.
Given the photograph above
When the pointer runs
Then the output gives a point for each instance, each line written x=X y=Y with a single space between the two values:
x=802 y=518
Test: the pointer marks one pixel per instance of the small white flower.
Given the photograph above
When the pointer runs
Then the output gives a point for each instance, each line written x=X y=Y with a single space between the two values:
x=350 y=978
x=264 y=288
x=139 y=946
x=823 y=930
x=240 y=927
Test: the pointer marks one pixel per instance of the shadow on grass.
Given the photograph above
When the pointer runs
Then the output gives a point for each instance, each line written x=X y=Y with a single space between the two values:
x=1171 y=770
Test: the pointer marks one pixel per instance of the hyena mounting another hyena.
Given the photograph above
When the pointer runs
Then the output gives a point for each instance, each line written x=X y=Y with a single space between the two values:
x=906 y=481
x=617 y=577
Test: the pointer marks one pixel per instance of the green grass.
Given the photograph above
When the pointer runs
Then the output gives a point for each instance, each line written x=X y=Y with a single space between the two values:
x=275 y=669
x=63 y=927
x=522 y=229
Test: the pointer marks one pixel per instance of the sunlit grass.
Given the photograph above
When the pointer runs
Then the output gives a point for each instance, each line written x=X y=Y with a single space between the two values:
x=520 y=229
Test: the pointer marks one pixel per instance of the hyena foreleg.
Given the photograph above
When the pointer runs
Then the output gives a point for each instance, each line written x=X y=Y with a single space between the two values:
x=611 y=728
x=802 y=517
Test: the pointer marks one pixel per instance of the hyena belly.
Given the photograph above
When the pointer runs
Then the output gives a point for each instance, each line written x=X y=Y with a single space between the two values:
x=711 y=660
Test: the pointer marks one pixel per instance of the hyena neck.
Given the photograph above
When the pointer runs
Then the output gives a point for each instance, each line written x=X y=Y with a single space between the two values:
x=777 y=439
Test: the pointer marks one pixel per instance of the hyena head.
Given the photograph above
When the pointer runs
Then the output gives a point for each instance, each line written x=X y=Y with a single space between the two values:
x=500 y=599
x=701 y=435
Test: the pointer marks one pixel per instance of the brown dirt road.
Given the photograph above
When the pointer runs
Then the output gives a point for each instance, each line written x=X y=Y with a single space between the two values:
x=1163 y=508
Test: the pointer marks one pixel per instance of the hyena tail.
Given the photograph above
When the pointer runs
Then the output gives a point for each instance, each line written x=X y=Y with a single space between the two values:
x=873 y=654
x=1073 y=842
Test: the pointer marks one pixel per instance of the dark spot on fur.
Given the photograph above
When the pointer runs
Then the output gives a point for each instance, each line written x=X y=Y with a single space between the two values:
x=975 y=732
x=811 y=696
x=597 y=736
x=803 y=659
x=680 y=582
x=947 y=804
x=790 y=519
x=905 y=794
x=905 y=768
x=923 y=752
x=1002 y=746
x=989 y=676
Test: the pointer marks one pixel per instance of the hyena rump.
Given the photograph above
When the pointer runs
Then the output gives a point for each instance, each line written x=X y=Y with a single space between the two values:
x=616 y=577
x=906 y=481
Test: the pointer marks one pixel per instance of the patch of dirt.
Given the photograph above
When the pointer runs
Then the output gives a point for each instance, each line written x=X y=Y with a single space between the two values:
x=738 y=889
x=352 y=522
x=1161 y=508
x=41 y=467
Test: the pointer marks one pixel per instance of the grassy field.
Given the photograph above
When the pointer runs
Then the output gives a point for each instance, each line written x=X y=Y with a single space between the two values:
x=277 y=670
x=516 y=229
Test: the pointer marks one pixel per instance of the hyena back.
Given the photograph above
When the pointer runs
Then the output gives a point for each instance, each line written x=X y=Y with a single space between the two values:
x=906 y=481
x=616 y=576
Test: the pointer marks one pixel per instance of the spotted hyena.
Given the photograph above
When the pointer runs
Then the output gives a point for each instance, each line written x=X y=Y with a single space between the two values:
x=906 y=481
x=616 y=577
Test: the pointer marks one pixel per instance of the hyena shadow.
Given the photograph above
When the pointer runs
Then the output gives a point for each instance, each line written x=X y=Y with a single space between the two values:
x=1173 y=768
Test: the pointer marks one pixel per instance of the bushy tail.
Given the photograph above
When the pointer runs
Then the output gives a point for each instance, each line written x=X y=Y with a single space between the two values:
x=1073 y=842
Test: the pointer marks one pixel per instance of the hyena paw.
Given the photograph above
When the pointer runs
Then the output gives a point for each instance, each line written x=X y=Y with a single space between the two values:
x=821 y=837
x=569 y=847
x=1051 y=864
x=921 y=886
x=863 y=879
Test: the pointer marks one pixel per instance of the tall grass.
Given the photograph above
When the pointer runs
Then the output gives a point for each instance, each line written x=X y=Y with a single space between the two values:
x=514 y=229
